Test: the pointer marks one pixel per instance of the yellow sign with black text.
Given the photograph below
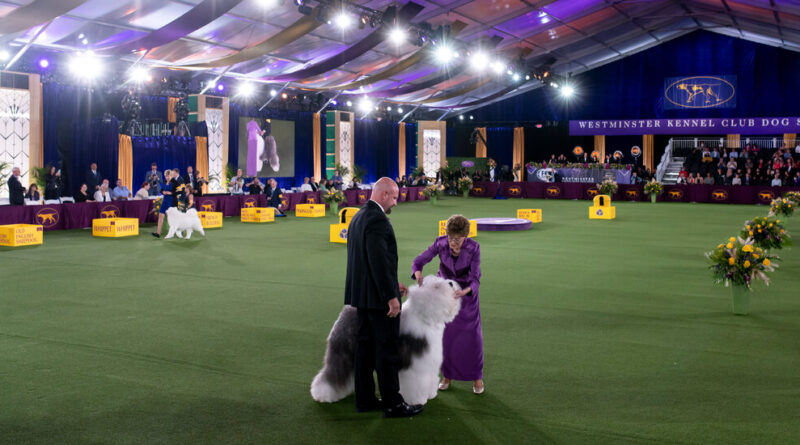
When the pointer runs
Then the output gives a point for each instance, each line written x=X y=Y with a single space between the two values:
x=210 y=220
x=258 y=214
x=115 y=227
x=532 y=215
x=309 y=210
x=16 y=235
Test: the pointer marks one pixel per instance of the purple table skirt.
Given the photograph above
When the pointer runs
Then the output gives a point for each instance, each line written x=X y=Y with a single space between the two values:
x=672 y=193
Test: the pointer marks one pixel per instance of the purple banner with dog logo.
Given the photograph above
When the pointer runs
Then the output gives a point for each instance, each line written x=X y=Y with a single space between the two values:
x=745 y=125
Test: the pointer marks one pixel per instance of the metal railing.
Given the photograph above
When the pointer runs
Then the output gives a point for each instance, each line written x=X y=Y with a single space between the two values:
x=684 y=146
x=666 y=158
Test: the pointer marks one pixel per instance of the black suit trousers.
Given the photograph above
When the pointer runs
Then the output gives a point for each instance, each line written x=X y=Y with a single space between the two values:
x=377 y=350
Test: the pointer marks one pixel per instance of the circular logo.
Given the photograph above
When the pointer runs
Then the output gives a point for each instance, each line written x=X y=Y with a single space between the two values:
x=47 y=217
x=545 y=174
x=595 y=155
x=577 y=151
x=700 y=92
x=636 y=151
x=207 y=206
x=675 y=195
x=553 y=191
x=467 y=164
x=617 y=154
x=343 y=234
x=719 y=195
x=766 y=196
x=110 y=211
x=250 y=202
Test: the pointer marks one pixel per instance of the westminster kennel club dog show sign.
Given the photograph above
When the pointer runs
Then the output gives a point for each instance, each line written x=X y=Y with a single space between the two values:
x=692 y=127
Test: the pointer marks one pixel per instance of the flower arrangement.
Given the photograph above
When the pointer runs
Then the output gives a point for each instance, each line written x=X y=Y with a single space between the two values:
x=607 y=187
x=653 y=188
x=766 y=232
x=794 y=197
x=464 y=184
x=333 y=195
x=156 y=204
x=531 y=165
x=738 y=263
x=781 y=206
x=491 y=163
x=433 y=190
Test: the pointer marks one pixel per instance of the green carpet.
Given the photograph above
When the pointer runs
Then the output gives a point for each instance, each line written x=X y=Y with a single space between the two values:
x=595 y=332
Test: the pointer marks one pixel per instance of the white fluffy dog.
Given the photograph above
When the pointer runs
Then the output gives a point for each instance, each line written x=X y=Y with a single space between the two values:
x=181 y=224
x=422 y=318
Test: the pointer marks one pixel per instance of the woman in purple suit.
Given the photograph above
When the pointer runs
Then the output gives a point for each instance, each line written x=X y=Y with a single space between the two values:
x=459 y=260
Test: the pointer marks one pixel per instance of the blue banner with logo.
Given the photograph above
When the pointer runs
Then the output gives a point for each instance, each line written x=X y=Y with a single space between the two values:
x=696 y=92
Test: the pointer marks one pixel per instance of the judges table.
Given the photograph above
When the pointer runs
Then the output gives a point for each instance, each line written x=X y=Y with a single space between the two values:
x=737 y=194
x=80 y=215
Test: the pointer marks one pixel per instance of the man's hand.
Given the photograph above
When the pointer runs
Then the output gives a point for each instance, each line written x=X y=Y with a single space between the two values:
x=403 y=289
x=394 y=308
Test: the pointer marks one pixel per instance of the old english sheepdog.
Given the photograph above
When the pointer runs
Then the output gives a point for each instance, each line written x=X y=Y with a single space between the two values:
x=422 y=318
x=181 y=224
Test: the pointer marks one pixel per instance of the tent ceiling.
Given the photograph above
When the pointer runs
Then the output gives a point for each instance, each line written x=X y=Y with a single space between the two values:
x=568 y=36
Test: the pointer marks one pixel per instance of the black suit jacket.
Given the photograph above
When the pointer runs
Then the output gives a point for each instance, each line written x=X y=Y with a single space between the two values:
x=371 y=260
x=189 y=180
x=16 y=192
x=93 y=181
x=274 y=199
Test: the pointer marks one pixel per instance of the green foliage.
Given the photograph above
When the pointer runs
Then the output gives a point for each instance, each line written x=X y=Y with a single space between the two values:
x=39 y=175
x=738 y=263
x=5 y=172
x=341 y=170
x=359 y=172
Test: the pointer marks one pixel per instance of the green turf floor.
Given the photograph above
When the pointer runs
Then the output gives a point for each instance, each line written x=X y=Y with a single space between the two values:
x=595 y=332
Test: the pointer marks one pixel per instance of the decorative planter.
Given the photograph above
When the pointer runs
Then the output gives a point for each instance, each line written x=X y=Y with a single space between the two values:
x=335 y=208
x=466 y=193
x=433 y=200
x=653 y=198
x=741 y=300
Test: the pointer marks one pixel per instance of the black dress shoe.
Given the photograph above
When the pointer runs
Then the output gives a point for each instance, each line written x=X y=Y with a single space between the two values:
x=156 y=235
x=402 y=410
x=375 y=405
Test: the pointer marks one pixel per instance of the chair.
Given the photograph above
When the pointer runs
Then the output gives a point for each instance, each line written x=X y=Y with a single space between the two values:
x=67 y=199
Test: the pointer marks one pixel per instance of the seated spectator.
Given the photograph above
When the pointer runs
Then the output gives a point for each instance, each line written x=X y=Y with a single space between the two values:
x=354 y=185
x=709 y=180
x=734 y=153
x=255 y=187
x=737 y=180
x=143 y=192
x=797 y=149
x=748 y=180
x=120 y=192
x=33 y=193
x=732 y=164
x=796 y=181
x=706 y=156
x=236 y=184
x=306 y=187
x=776 y=181
x=715 y=153
x=102 y=194
x=83 y=195
x=635 y=178
x=274 y=199
x=681 y=180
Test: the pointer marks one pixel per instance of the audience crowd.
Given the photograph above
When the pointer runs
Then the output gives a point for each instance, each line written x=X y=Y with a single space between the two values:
x=751 y=165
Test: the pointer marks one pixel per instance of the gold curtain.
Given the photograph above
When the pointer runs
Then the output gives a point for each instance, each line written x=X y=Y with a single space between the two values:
x=600 y=146
x=733 y=141
x=789 y=139
x=125 y=163
x=317 y=144
x=201 y=164
x=480 y=147
x=171 y=117
x=519 y=151
x=648 y=140
x=401 y=150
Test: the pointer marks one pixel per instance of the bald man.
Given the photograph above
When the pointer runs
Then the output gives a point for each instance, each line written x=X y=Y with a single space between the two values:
x=373 y=289
x=16 y=192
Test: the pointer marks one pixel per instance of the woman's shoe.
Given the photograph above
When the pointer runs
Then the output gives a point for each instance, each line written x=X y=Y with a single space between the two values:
x=443 y=385
x=477 y=390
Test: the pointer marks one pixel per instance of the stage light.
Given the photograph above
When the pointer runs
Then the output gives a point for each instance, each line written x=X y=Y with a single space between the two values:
x=397 y=36
x=509 y=72
x=246 y=89
x=138 y=75
x=388 y=108
x=527 y=77
x=554 y=84
x=471 y=117
x=515 y=77
x=85 y=41
x=4 y=55
x=284 y=96
x=220 y=87
x=497 y=66
x=461 y=117
x=273 y=93
x=81 y=35
x=365 y=105
x=267 y=3
x=444 y=54
x=479 y=61
x=334 y=103
x=44 y=63
x=343 y=20
x=86 y=65
x=567 y=91
x=349 y=103
x=400 y=110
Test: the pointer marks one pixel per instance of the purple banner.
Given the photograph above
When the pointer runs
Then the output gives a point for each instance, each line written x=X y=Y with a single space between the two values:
x=745 y=125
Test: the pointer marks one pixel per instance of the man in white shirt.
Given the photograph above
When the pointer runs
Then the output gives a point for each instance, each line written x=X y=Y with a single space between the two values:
x=306 y=187
x=776 y=181
x=237 y=183
x=102 y=194
x=797 y=149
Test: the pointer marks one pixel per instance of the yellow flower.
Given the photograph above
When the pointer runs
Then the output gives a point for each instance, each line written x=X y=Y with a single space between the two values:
x=770 y=226
x=748 y=227
x=729 y=246
x=758 y=226
x=778 y=221
x=747 y=248
x=755 y=255
x=731 y=261
x=751 y=233
x=732 y=240
x=719 y=247
x=759 y=230
x=746 y=264
x=766 y=262
x=782 y=230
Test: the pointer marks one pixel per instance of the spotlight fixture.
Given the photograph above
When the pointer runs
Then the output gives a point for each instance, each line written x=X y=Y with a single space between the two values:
x=554 y=84
x=86 y=65
x=461 y=117
x=516 y=77
x=284 y=96
x=497 y=66
x=471 y=117
x=220 y=87
x=479 y=61
x=272 y=93
x=303 y=8
x=567 y=91
x=343 y=20
x=365 y=105
x=527 y=77
x=138 y=75
x=444 y=54
x=4 y=55
x=349 y=103
x=44 y=63
x=397 y=36
x=246 y=89
x=388 y=108
x=399 y=110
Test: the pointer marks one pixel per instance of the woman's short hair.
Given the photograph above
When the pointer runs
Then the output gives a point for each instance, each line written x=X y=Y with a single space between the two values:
x=457 y=225
x=145 y=184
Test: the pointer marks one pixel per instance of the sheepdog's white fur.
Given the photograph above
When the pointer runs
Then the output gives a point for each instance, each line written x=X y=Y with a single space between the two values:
x=183 y=224
x=422 y=318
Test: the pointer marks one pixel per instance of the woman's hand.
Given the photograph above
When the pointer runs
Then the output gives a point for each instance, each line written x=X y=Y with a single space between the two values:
x=418 y=277
x=463 y=292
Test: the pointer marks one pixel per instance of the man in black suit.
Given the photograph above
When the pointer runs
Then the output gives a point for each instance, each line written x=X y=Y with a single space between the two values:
x=16 y=192
x=93 y=179
x=189 y=178
x=274 y=197
x=372 y=287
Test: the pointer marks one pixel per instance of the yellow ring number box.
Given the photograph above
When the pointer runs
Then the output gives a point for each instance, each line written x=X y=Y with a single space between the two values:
x=532 y=215
x=115 y=227
x=210 y=220
x=258 y=214
x=16 y=235
x=309 y=210
x=473 y=228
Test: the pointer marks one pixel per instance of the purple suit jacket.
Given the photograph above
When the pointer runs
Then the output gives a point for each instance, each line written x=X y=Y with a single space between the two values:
x=465 y=269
